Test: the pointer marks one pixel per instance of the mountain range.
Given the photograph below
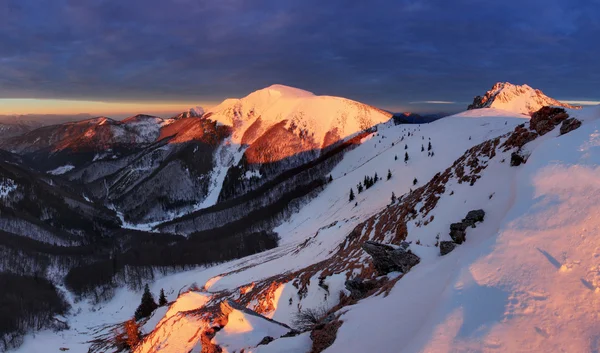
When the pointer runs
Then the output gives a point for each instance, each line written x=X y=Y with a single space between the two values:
x=290 y=222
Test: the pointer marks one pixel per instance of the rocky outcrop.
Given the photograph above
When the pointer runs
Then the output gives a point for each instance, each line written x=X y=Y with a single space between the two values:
x=446 y=247
x=458 y=231
x=516 y=159
x=359 y=288
x=569 y=125
x=388 y=259
x=545 y=119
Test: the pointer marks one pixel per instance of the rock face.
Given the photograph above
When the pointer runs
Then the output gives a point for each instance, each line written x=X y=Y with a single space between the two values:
x=388 y=259
x=446 y=247
x=569 y=125
x=545 y=119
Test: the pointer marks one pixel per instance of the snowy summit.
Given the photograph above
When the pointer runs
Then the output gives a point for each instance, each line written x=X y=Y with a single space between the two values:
x=515 y=98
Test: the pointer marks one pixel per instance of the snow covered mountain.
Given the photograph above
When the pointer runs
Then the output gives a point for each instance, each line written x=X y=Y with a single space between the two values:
x=471 y=233
x=515 y=98
x=198 y=159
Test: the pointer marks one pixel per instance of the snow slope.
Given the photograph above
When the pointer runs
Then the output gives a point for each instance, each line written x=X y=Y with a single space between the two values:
x=526 y=283
x=525 y=280
x=515 y=98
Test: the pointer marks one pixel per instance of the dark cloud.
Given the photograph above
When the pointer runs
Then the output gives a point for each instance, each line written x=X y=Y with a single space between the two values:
x=383 y=52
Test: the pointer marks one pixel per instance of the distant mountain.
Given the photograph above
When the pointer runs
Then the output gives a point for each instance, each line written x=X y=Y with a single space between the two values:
x=514 y=98
x=200 y=159
x=417 y=118
x=78 y=143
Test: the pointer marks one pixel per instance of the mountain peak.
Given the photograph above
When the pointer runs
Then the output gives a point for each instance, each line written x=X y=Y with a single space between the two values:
x=521 y=99
x=281 y=91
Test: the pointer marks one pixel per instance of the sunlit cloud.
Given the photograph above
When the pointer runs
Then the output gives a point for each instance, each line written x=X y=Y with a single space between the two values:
x=433 y=102
x=581 y=102
x=60 y=106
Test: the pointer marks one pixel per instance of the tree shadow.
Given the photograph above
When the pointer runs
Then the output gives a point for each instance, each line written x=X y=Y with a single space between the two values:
x=550 y=258
x=588 y=284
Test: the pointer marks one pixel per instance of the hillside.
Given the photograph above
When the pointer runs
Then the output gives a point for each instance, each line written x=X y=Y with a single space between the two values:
x=515 y=98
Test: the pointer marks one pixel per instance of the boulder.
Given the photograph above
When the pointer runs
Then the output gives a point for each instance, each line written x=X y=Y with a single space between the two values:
x=358 y=287
x=474 y=216
x=446 y=247
x=516 y=159
x=569 y=125
x=388 y=259
x=458 y=232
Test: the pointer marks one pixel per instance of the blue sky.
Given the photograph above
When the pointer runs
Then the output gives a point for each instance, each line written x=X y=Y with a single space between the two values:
x=399 y=55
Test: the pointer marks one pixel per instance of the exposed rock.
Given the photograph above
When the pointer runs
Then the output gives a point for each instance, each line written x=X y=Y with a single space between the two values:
x=475 y=216
x=446 y=247
x=387 y=259
x=358 y=287
x=458 y=232
x=266 y=340
x=569 y=125
x=516 y=159
x=545 y=119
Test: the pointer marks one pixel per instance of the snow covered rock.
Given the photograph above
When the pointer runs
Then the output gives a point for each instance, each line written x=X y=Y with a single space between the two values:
x=388 y=259
x=475 y=216
x=359 y=287
x=515 y=98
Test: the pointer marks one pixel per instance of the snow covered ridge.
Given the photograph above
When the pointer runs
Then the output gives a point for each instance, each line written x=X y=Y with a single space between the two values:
x=421 y=219
x=515 y=98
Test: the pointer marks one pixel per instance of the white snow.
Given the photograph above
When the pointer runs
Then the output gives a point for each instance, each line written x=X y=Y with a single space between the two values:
x=61 y=170
x=6 y=187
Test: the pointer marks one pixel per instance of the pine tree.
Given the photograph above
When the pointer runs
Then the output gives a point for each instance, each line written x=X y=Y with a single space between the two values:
x=396 y=157
x=405 y=156
x=162 y=299
x=389 y=176
x=351 y=195
x=405 y=146
x=429 y=146
x=359 y=187
x=330 y=178
x=415 y=181
x=422 y=148
x=147 y=305
x=393 y=197
x=375 y=178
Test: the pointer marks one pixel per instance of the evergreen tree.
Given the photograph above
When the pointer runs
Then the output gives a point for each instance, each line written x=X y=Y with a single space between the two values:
x=415 y=181
x=429 y=146
x=359 y=187
x=396 y=157
x=375 y=178
x=393 y=197
x=422 y=148
x=405 y=156
x=162 y=299
x=389 y=176
x=147 y=305
x=405 y=146
x=351 y=195
x=330 y=178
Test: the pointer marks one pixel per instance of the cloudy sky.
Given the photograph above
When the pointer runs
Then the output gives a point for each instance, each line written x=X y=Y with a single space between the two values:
x=116 y=55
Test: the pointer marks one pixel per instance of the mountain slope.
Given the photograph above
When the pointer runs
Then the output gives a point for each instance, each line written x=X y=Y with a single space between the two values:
x=271 y=136
x=515 y=98
x=81 y=142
